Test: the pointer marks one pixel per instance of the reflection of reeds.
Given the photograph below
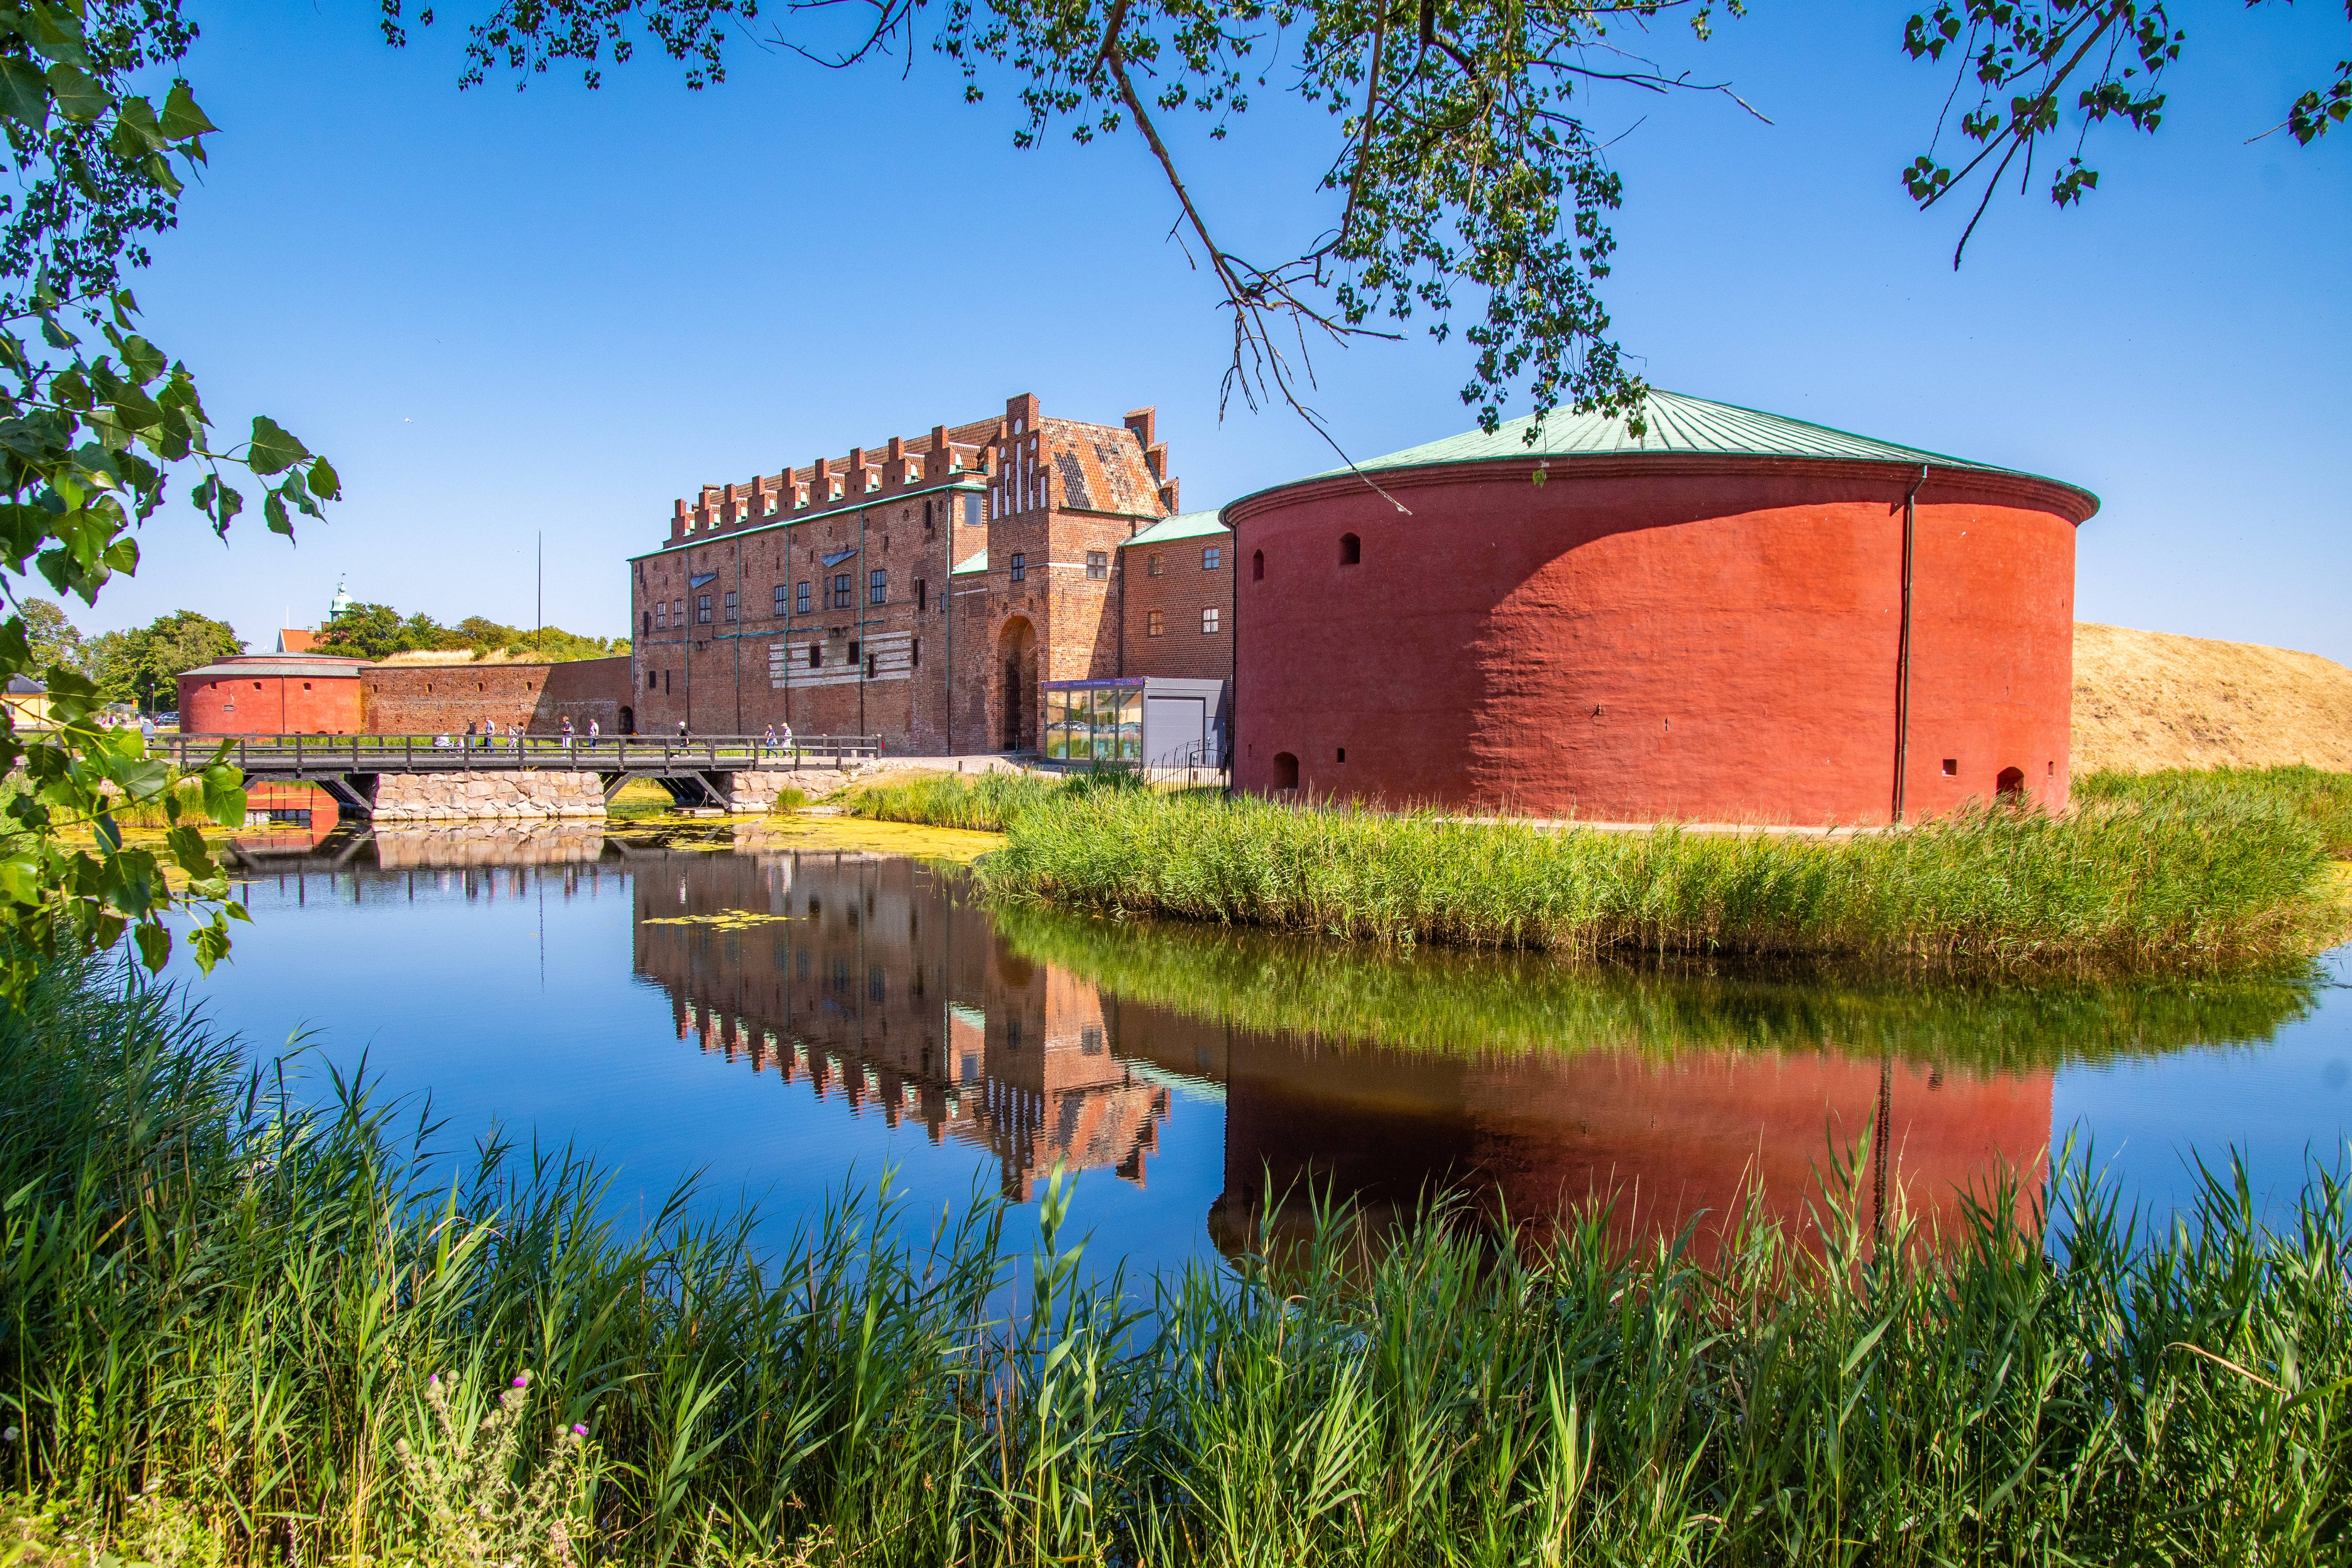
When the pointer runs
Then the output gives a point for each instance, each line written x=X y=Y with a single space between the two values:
x=204 y=1290
x=1513 y=1003
x=2218 y=883
x=2323 y=798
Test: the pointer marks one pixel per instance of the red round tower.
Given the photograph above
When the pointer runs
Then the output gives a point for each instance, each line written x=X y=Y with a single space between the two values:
x=1734 y=617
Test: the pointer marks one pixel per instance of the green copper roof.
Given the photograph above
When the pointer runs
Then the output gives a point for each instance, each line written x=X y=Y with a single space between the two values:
x=976 y=562
x=1679 y=425
x=1183 y=525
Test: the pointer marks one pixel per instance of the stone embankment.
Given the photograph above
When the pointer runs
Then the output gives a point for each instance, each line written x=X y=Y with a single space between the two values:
x=757 y=793
x=521 y=795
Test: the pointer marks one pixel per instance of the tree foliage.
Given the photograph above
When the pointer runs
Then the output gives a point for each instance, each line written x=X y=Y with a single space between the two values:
x=2113 y=53
x=95 y=420
x=141 y=665
x=1472 y=191
x=379 y=631
x=50 y=638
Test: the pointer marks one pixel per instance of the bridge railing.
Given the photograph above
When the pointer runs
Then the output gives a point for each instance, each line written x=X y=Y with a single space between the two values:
x=429 y=753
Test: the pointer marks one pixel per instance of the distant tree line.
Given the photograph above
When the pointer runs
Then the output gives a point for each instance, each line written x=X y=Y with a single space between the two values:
x=139 y=666
x=379 y=631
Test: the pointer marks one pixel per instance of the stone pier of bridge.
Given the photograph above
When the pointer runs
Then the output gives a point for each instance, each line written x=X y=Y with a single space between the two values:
x=532 y=794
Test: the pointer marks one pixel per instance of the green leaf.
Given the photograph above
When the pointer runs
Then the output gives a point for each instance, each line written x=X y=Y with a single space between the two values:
x=78 y=97
x=55 y=31
x=324 y=484
x=24 y=93
x=273 y=511
x=274 y=450
x=155 y=945
x=182 y=118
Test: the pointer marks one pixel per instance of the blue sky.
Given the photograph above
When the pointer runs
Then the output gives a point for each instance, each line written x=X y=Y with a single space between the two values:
x=504 y=314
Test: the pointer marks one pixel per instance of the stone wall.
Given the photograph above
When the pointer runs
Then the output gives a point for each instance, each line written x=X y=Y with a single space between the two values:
x=520 y=795
x=758 y=792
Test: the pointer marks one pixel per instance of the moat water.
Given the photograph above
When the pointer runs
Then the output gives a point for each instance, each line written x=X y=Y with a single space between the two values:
x=779 y=1019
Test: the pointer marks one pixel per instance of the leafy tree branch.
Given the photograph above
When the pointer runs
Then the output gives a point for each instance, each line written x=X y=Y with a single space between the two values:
x=90 y=434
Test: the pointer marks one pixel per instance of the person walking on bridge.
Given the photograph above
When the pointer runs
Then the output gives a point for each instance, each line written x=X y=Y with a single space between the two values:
x=567 y=732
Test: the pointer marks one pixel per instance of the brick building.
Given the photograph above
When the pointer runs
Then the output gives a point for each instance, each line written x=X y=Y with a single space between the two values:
x=928 y=590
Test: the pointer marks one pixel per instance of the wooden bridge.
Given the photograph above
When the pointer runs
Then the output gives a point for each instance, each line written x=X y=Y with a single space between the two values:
x=696 y=771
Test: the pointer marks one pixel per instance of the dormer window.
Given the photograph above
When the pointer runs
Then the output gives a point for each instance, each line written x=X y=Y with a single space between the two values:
x=800 y=497
x=873 y=481
x=836 y=489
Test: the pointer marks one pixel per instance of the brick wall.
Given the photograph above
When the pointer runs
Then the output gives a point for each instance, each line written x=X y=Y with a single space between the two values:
x=1181 y=590
x=443 y=699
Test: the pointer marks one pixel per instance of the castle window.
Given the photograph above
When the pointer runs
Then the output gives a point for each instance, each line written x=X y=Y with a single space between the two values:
x=800 y=599
x=877 y=587
x=873 y=481
x=702 y=609
x=971 y=518
x=914 y=473
x=922 y=596
x=1209 y=621
x=841 y=591
x=661 y=615
x=1951 y=767
x=870 y=665
x=852 y=659
x=646 y=620
x=836 y=489
x=1155 y=623
x=1099 y=565
x=1152 y=567
x=1351 y=550
x=677 y=612
x=649 y=680
x=816 y=656
x=1257 y=566
x=731 y=605
x=915 y=653
x=1020 y=567
x=800 y=497
x=1212 y=558
x=779 y=599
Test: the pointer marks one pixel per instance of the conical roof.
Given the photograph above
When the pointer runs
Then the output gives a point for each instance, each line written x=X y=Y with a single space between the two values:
x=1678 y=427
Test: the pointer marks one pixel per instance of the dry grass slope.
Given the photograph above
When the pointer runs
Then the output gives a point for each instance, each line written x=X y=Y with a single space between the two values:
x=2145 y=700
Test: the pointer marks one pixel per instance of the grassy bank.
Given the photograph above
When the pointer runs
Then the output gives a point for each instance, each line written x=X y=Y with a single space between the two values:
x=2208 y=884
x=2322 y=799
x=229 y=1332
x=987 y=803
x=1491 y=1004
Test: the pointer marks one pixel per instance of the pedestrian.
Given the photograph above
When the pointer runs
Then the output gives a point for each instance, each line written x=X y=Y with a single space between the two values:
x=567 y=731
x=469 y=735
x=517 y=732
x=595 y=731
x=147 y=729
x=770 y=748
x=788 y=735
x=681 y=728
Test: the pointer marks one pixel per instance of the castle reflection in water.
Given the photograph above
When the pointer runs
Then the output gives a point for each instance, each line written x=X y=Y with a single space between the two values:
x=870 y=980
x=877 y=984
x=876 y=981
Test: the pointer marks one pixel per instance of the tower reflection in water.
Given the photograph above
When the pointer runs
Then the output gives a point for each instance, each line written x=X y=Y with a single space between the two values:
x=878 y=983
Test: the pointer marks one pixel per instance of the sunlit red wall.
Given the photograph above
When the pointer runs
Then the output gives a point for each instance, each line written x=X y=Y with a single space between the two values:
x=1705 y=638
x=256 y=699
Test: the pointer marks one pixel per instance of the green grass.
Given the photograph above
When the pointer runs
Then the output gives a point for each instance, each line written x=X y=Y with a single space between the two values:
x=220 y=1322
x=2206 y=884
x=1489 y=1004
x=988 y=803
x=2320 y=797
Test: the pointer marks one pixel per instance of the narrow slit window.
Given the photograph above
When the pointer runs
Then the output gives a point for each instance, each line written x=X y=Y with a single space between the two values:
x=1351 y=550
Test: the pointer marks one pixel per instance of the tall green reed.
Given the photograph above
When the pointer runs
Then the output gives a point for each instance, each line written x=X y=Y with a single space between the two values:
x=2206 y=886
x=210 y=1295
x=2321 y=798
